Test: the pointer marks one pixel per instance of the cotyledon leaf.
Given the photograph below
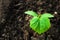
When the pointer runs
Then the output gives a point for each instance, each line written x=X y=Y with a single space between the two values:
x=47 y=15
x=32 y=13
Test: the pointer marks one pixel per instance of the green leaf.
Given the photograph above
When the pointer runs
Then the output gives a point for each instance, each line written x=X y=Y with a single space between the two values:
x=40 y=25
x=34 y=23
x=44 y=25
x=32 y=13
x=48 y=15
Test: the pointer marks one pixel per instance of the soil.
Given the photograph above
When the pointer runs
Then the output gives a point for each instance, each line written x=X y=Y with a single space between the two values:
x=14 y=24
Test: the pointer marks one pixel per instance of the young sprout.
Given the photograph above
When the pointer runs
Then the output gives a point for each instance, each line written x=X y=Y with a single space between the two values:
x=39 y=23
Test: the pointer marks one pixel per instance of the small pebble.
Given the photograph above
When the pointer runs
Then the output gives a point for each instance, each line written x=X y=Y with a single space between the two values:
x=55 y=12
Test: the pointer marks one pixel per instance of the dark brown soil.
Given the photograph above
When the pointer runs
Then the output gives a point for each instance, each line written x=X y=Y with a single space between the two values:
x=14 y=24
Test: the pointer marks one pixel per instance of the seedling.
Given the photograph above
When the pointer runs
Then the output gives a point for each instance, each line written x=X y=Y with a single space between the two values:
x=39 y=23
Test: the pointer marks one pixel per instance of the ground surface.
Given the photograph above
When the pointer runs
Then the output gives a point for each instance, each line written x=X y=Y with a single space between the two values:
x=14 y=24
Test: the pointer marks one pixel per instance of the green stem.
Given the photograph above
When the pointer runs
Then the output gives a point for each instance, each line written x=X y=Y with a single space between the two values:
x=39 y=15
